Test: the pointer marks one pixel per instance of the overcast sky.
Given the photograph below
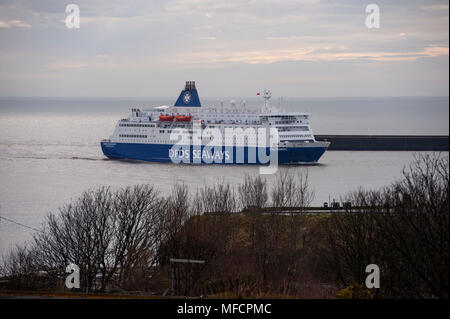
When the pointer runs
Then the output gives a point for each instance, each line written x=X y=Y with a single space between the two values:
x=230 y=48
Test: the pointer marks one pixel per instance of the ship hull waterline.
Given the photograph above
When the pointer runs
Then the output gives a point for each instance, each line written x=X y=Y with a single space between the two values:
x=164 y=153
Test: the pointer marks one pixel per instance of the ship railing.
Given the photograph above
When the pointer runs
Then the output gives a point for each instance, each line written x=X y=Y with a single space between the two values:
x=301 y=123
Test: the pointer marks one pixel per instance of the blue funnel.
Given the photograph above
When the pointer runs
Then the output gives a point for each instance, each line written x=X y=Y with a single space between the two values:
x=189 y=96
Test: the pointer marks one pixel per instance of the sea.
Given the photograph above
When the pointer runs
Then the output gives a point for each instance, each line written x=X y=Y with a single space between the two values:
x=50 y=151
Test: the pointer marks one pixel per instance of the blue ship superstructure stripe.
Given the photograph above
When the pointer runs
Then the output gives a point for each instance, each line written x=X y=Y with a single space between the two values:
x=189 y=96
x=221 y=155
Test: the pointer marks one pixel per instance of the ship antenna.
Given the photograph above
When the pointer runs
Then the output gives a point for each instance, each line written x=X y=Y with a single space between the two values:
x=267 y=95
x=280 y=102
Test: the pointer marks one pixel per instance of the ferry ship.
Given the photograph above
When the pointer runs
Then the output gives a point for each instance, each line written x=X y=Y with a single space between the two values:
x=154 y=135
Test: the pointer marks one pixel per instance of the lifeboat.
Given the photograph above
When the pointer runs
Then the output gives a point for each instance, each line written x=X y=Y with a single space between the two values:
x=166 y=118
x=183 y=118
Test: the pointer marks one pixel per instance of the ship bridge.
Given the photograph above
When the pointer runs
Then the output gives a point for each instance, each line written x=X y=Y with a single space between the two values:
x=292 y=127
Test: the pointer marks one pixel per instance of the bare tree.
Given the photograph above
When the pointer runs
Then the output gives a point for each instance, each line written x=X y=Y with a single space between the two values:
x=415 y=229
x=291 y=190
x=109 y=235
x=253 y=192
x=217 y=198
x=138 y=221
x=177 y=210
x=20 y=268
x=80 y=234
x=403 y=229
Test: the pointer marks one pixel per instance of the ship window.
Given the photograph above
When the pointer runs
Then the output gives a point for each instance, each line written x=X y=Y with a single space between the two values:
x=132 y=136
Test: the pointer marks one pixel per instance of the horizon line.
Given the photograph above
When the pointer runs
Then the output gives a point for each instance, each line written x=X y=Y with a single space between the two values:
x=215 y=97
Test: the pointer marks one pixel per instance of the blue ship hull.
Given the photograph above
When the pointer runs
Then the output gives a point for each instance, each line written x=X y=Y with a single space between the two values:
x=164 y=153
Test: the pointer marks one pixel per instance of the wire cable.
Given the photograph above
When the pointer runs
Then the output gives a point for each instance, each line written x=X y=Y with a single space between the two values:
x=20 y=224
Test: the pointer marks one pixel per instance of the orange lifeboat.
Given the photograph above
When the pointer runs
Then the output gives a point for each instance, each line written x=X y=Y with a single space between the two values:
x=166 y=118
x=183 y=118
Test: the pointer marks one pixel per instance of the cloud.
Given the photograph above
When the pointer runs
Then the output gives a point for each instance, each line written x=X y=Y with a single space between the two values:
x=175 y=37
x=311 y=54
x=76 y=65
x=14 y=23
x=436 y=7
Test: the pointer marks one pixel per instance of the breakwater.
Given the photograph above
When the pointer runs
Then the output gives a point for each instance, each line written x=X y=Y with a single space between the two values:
x=386 y=142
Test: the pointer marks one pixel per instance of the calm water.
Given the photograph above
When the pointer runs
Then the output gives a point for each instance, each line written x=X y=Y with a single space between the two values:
x=50 y=153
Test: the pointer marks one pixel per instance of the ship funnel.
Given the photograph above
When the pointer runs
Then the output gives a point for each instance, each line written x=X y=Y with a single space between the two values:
x=188 y=96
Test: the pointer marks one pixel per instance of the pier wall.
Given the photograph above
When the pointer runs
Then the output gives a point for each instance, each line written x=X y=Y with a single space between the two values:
x=386 y=142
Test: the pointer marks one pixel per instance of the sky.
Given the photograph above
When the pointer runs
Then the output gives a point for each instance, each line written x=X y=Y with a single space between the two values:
x=297 y=48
